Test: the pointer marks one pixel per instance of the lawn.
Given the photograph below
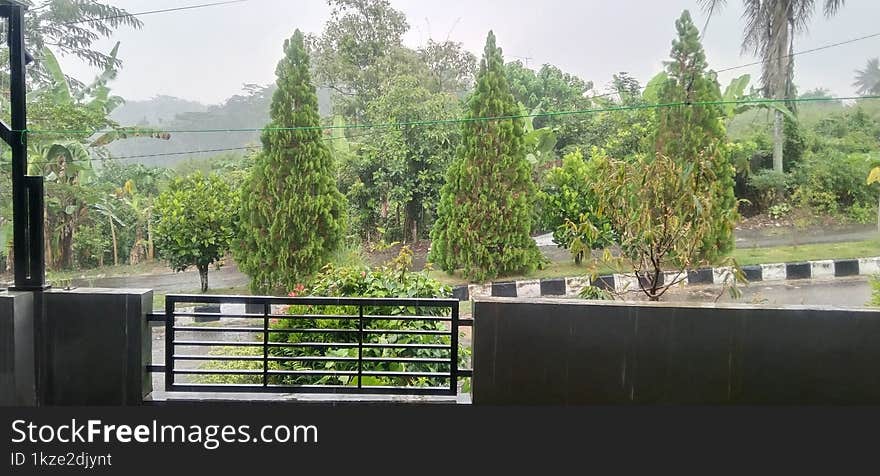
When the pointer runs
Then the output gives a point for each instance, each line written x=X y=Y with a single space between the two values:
x=820 y=251
x=746 y=256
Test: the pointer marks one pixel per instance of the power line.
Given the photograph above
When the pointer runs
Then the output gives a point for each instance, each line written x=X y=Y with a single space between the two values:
x=431 y=122
x=201 y=151
x=151 y=12
x=789 y=55
x=811 y=50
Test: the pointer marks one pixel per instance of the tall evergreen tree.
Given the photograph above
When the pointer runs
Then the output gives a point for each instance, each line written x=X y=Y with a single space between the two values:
x=484 y=218
x=293 y=215
x=695 y=132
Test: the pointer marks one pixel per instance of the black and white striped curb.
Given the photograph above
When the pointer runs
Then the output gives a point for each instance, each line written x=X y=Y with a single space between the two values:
x=621 y=282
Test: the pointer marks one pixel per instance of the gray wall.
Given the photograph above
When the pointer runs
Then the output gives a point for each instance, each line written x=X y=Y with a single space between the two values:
x=17 y=364
x=96 y=346
x=546 y=351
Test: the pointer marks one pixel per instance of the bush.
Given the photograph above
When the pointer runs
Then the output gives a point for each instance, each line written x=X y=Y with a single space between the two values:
x=779 y=211
x=768 y=186
x=393 y=280
x=567 y=196
x=863 y=214
x=833 y=181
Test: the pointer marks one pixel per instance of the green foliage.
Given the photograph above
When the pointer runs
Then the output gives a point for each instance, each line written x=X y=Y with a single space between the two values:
x=72 y=28
x=689 y=134
x=567 y=195
x=595 y=293
x=661 y=213
x=393 y=181
x=875 y=291
x=196 y=220
x=361 y=50
x=484 y=218
x=391 y=280
x=833 y=181
x=768 y=185
x=551 y=89
x=779 y=211
x=293 y=215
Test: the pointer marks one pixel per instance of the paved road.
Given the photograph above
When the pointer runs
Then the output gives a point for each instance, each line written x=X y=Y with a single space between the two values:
x=844 y=292
x=187 y=281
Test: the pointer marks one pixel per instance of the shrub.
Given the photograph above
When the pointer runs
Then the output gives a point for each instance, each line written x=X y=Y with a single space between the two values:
x=768 y=186
x=833 y=181
x=394 y=280
x=567 y=196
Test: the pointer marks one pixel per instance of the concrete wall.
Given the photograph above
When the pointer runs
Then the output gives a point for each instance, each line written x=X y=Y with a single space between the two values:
x=546 y=351
x=97 y=346
x=17 y=358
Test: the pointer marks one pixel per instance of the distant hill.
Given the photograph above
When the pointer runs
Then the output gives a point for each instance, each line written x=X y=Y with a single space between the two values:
x=158 y=110
x=249 y=110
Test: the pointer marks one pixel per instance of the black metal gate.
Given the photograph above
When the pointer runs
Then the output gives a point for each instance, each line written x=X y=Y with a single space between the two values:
x=311 y=345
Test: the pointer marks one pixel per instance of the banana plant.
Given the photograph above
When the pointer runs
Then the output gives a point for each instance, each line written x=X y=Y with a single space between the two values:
x=105 y=210
x=66 y=159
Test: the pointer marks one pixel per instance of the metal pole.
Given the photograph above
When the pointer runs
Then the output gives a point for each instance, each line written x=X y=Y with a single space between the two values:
x=27 y=192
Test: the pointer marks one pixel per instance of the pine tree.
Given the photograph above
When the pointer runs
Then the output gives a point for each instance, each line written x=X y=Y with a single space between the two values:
x=484 y=218
x=692 y=132
x=293 y=215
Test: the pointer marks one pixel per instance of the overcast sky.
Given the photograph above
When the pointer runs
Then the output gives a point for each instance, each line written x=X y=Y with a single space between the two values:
x=208 y=54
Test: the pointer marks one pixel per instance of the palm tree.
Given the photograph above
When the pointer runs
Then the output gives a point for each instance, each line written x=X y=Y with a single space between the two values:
x=771 y=26
x=868 y=79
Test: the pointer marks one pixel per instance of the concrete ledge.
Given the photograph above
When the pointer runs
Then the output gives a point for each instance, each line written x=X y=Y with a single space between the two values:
x=165 y=398
x=572 y=286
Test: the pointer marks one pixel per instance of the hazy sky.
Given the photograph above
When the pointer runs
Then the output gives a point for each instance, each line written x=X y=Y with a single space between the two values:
x=207 y=54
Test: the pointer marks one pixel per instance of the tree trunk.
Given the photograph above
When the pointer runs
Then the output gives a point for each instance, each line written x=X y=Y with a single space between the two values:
x=115 y=245
x=150 y=251
x=203 y=276
x=878 y=213
x=778 y=140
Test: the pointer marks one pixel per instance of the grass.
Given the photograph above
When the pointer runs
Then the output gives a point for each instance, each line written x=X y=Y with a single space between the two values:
x=744 y=256
x=159 y=298
x=550 y=270
x=819 y=251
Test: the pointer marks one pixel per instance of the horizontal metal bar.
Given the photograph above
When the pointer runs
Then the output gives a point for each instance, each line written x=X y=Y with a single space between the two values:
x=406 y=318
x=223 y=358
x=338 y=389
x=155 y=368
x=407 y=360
x=216 y=372
x=314 y=331
x=407 y=346
x=406 y=374
x=340 y=317
x=465 y=322
x=348 y=373
x=316 y=301
x=156 y=317
x=217 y=329
x=216 y=315
x=197 y=343
x=415 y=333
x=259 y=358
x=465 y=372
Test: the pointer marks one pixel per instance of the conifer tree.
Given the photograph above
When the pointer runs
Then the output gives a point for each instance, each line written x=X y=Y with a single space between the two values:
x=484 y=218
x=695 y=131
x=293 y=215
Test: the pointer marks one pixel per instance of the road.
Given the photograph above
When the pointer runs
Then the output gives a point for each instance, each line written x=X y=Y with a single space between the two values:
x=843 y=292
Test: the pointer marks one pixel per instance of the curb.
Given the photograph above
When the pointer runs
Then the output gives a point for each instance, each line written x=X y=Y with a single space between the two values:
x=571 y=287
